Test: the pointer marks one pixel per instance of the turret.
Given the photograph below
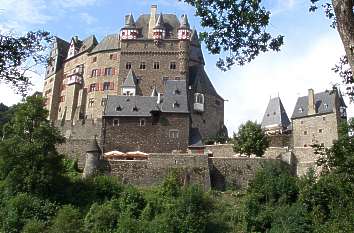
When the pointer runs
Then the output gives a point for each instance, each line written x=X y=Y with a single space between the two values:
x=184 y=32
x=159 y=31
x=129 y=85
x=92 y=159
x=129 y=31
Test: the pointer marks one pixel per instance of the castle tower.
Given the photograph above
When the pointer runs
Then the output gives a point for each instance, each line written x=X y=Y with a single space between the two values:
x=129 y=85
x=184 y=32
x=129 y=31
x=92 y=159
x=159 y=31
x=275 y=119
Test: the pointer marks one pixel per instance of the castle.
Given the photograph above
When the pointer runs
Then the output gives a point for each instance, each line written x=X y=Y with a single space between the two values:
x=144 y=88
x=315 y=120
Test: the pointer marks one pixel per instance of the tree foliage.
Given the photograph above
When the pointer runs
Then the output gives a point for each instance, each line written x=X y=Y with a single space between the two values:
x=250 y=139
x=19 y=54
x=236 y=30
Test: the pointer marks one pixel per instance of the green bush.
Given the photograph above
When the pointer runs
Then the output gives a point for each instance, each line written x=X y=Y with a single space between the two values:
x=102 y=218
x=34 y=226
x=67 y=220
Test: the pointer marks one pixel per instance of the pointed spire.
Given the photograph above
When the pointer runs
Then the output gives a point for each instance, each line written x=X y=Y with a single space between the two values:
x=129 y=21
x=275 y=116
x=154 y=92
x=184 y=24
x=160 y=23
x=130 y=81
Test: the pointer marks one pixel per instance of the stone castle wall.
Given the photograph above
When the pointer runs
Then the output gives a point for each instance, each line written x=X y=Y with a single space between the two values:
x=220 y=150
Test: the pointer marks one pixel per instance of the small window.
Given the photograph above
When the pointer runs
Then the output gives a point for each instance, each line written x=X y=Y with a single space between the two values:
x=173 y=65
x=320 y=130
x=128 y=66
x=174 y=133
x=142 y=66
x=92 y=87
x=301 y=109
x=218 y=103
x=156 y=65
x=142 y=122
x=116 y=122
x=113 y=56
x=94 y=73
x=119 y=108
x=62 y=98
x=91 y=102
x=322 y=144
x=103 y=102
x=108 y=71
x=305 y=132
x=274 y=113
x=305 y=145
x=177 y=92
x=325 y=105
x=301 y=122
x=94 y=59
x=135 y=109
x=176 y=105
x=323 y=118
x=106 y=86
x=199 y=98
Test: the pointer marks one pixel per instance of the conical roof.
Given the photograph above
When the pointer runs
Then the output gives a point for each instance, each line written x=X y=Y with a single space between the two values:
x=160 y=24
x=275 y=115
x=129 y=21
x=93 y=147
x=184 y=24
x=130 y=81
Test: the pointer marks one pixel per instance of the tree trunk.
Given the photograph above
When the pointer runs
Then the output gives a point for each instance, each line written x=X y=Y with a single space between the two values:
x=343 y=10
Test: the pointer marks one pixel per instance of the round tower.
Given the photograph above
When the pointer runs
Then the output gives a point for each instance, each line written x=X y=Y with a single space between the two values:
x=184 y=31
x=92 y=159
x=129 y=31
x=184 y=36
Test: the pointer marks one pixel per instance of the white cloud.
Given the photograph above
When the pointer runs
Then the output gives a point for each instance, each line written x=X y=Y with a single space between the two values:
x=249 y=88
x=75 y=3
x=87 y=18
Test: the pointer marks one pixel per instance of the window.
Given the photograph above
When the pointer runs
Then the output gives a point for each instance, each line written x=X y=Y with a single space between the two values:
x=176 y=105
x=142 y=122
x=91 y=102
x=323 y=118
x=301 y=122
x=173 y=65
x=164 y=80
x=305 y=132
x=94 y=59
x=103 y=102
x=199 y=98
x=320 y=130
x=135 y=108
x=62 y=98
x=178 y=78
x=119 y=108
x=156 y=65
x=94 y=73
x=301 y=109
x=106 y=86
x=113 y=56
x=274 y=113
x=177 y=92
x=108 y=71
x=116 y=122
x=325 y=105
x=173 y=133
x=92 y=87
x=128 y=66
x=322 y=144
x=142 y=66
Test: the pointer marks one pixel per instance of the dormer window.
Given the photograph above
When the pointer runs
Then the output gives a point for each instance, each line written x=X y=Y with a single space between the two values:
x=119 y=108
x=301 y=109
x=199 y=98
x=176 y=105
x=177 y=92
x=135 y=108
x=325 y=105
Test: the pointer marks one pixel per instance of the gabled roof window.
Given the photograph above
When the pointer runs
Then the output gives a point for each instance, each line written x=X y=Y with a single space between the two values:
x=325 y=105
x=177 y=92
x=119 y=108
x=135 y=108
x=301 y=109
x=176 y=105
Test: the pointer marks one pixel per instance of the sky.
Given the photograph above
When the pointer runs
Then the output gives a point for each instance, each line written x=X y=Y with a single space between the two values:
x=311 y=48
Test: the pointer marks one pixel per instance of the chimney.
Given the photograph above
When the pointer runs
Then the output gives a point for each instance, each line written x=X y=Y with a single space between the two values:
x=311 y=103
x=152 y=22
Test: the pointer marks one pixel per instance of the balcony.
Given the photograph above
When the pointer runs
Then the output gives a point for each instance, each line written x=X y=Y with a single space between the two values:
x=198 y=107
x=74 y=79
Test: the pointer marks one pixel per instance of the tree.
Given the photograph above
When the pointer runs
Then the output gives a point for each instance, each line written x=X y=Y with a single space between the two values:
x=67 y=220
x=19 y=54
x=29 y=161
x=250 y=139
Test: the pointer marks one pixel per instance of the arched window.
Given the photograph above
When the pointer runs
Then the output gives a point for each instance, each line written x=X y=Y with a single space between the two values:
x=199 y=98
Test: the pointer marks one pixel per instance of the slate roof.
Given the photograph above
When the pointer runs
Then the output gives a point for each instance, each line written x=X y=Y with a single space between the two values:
x=184 y=22
x=110 y=42
x=171 y=25
x=130 y=81
x=275 y=115
x=129 y=21
x=324 y=103
x=200 y=82
x=88 y=43
x=160 y=23
x=147 y=104
x=195 y=139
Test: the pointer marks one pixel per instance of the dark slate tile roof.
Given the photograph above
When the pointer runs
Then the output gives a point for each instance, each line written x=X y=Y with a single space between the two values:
x=171 y=102
x=143 y=104
x=171 y=24
x=275 y=114
x=88 y=43
x=110 y=42
x=175 y=97
x=324 y=103
x=200 y=82
x=195 y=139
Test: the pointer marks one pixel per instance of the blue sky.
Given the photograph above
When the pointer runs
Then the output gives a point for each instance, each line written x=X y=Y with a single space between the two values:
x=311 y=48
